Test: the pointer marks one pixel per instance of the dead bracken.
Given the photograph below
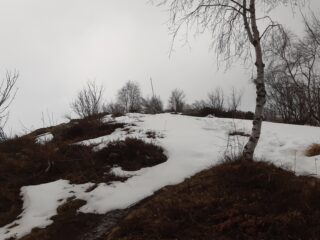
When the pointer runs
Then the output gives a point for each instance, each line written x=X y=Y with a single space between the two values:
x=313 y=150
x=235 y=200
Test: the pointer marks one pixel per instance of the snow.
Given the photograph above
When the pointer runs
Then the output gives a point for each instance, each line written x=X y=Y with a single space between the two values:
x=118 y=171
x=134 y=122
x=40 y=204
x=191 y=144
x=44 y=138
x=108 y=118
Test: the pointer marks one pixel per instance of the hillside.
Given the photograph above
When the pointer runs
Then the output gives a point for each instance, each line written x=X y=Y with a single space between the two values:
x=249 y=201
x=79 y=178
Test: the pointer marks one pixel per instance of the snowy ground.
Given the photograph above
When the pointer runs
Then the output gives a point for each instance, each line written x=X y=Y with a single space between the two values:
x=192 y=144
x=44 y=138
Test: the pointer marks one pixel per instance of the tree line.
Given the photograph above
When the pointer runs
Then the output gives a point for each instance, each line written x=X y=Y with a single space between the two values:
x=89 y=102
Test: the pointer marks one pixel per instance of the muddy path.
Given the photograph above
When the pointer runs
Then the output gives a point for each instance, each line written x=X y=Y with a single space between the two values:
x=107 y=222
x=71 y=224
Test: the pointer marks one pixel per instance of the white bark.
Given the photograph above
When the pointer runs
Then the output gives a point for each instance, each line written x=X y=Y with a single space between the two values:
x=251 y=145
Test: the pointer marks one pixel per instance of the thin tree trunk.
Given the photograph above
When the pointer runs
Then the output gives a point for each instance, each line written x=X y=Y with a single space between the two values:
x=251 y=145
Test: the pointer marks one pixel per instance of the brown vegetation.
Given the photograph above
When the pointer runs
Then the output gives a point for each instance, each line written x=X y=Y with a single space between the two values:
x=236 y=200
x=24 y=162
x=69 y=224
x=132 y=154
x=313 y=150
x=239 y=133
x=205 y=111
x=82 y=129
x=79 y=129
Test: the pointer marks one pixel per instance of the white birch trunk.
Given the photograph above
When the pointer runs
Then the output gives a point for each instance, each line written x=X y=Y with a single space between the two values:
x=254 y=37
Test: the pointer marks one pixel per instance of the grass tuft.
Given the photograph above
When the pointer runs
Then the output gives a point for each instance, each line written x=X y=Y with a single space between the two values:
x=313 y=150
x=239 y=133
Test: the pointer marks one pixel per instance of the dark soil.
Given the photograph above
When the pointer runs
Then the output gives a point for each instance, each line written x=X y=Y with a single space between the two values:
x=232 y=201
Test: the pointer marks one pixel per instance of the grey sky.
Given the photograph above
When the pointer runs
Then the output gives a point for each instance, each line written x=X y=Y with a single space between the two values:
x=57 y=45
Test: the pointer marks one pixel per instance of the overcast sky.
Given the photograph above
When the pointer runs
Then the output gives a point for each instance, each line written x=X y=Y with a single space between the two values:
x=57 y=45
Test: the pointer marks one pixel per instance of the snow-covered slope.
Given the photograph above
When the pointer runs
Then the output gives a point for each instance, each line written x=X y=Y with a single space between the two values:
x=191 y=144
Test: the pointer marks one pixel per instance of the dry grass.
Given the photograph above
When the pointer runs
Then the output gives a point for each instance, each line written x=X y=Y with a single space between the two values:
x=235 y=200
x=313 y=150
x=82 y=129
x=70 y=224
x=239 y=133
x=203 y=112
x=24 y=162
x=131 y=154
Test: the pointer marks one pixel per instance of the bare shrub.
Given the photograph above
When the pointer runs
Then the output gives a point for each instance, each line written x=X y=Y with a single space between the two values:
x=199 y=105
x=89 y=100
x=216 y=99
x=152 y=105
x=115 y=109
x=7 y=94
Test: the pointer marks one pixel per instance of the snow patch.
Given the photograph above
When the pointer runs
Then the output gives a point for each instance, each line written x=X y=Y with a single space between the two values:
x=44 y=138
x=108 y=118
x=40 y=203
x=118 y=171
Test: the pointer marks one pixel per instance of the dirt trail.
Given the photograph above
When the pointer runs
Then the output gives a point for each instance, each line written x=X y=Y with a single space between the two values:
x=107 y=222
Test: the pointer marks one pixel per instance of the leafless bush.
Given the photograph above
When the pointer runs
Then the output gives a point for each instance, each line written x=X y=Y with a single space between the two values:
x=199 y=105
x=115 y=109
x=152 y=105
x=216 y=99
x=7 y=94
x=177 y=100
x=129 y=97
x=89 y=100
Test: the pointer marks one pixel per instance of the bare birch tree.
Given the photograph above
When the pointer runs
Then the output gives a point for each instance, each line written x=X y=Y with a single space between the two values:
x=235 y=34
